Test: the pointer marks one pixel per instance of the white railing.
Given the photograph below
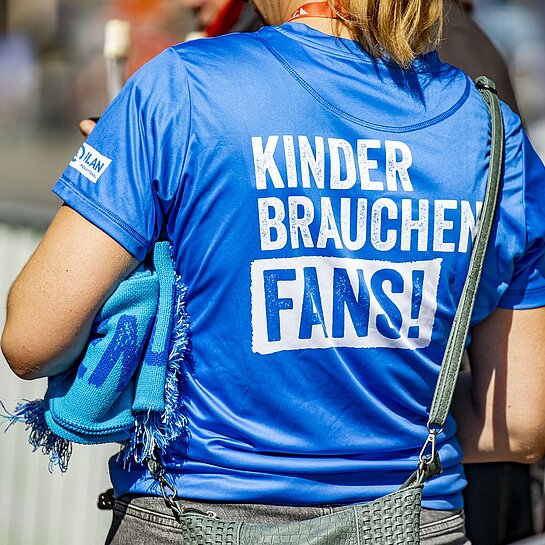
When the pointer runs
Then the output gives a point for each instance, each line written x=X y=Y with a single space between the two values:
x=37 y=507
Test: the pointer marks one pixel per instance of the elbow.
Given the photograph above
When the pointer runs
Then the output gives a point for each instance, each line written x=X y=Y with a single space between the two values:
x=527 y=444
x=16 y=364
x=529 y=453
x=33 y=356
x=21 y=363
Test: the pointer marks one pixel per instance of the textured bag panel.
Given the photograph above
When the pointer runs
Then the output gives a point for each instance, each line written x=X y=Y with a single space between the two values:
x=203 y=530
x=336 y=529
x=390 y=520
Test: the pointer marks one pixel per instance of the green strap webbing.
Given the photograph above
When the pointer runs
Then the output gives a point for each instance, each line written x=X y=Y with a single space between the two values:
x=454 y=351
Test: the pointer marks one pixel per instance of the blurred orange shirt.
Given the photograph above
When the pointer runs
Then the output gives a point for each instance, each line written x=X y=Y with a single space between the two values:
x=156 y=25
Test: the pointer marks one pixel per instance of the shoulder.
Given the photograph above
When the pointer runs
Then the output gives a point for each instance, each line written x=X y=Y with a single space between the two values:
x=222 y=65
x=158 y=87
x=230 y=48
x=161 y=70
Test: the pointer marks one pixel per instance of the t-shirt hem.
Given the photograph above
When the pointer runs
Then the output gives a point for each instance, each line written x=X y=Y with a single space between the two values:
x=532 y=298
x=138 y=481
x=446 y=504
x=102 y=218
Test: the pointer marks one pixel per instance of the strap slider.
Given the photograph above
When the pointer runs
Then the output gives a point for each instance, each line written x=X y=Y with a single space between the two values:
x=486 y=84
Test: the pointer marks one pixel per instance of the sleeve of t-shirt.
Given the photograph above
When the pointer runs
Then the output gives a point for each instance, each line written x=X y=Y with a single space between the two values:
x=527 y=286
x=125 y=176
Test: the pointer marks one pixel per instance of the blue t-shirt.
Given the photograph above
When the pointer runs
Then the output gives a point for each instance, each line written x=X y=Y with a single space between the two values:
x=321 y=206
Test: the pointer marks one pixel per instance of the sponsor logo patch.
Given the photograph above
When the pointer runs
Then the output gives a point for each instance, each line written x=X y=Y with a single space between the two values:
x=89 y=162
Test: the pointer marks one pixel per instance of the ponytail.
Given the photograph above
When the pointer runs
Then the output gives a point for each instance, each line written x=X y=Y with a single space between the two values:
x=398 y=30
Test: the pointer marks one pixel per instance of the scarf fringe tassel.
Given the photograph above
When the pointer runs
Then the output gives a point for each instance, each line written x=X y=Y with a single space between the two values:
x=32 y=414
x=153 y=432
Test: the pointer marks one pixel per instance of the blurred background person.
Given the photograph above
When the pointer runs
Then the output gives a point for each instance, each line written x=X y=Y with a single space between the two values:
x=467 y=46
x=217 y=17
x=497 y=498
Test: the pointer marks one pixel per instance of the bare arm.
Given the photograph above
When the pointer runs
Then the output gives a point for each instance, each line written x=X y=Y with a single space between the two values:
x=500 y=405
x=53 y=302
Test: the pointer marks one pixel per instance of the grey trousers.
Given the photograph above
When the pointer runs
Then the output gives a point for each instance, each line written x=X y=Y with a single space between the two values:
x=142 y=520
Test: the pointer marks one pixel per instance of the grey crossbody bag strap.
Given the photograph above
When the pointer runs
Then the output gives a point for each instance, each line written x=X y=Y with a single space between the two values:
x=452 y=358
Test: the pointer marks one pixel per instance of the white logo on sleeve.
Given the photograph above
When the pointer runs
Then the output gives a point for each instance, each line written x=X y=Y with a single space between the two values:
x=89 y=162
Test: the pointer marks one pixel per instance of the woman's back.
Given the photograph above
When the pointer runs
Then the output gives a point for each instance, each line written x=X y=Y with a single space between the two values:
x=321 y=206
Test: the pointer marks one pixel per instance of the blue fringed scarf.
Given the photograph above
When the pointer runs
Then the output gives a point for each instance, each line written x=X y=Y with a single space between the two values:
x=124 y=387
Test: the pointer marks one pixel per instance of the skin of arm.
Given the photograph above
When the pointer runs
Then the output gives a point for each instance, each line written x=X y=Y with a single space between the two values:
x=499 y=405
x=55 y=298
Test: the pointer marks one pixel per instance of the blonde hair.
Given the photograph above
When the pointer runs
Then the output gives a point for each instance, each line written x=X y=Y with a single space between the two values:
x=398 y=30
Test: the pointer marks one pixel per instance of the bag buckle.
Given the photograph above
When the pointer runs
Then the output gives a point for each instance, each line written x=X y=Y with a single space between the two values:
x=168 y=491
x=425 y=460
x=429 y=464
x=106 y=500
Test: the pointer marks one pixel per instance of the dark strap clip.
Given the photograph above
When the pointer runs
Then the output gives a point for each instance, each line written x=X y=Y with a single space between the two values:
x=106 y=500
x=486 y=84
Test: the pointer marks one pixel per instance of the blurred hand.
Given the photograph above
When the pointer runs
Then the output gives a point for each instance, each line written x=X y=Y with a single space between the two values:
x=86 y=126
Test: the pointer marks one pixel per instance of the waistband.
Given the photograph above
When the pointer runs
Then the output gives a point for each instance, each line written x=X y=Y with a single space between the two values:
x=154 y=509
